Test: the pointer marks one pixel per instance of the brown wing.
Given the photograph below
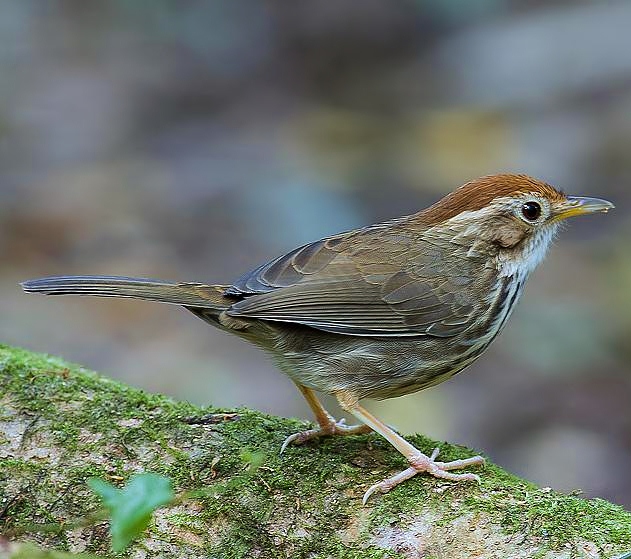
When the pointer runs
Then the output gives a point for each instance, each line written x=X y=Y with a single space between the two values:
x=342 y=285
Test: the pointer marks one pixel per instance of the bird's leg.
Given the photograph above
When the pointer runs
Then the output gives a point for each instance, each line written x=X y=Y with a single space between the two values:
x=419 y=462
x=326 y=422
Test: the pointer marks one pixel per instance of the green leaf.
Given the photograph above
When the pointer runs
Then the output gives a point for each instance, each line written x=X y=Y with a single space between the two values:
x=132 y=506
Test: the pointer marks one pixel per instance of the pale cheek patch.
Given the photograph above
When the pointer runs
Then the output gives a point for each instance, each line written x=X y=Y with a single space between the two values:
x=509 y=235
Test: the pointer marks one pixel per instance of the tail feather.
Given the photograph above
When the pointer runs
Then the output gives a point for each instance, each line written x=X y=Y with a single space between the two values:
x=185 y=294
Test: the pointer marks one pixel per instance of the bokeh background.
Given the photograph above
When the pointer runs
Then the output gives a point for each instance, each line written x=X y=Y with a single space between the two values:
x=194 y=139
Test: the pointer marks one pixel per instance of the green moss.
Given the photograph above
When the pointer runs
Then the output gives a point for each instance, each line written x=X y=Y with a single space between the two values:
x=559 y=519
x=244 y=498
x=29 y=551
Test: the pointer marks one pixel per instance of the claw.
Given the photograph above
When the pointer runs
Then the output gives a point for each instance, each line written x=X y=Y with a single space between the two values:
x=334 y=428
x=300 y=437
x=387 y=484
x=424 y=463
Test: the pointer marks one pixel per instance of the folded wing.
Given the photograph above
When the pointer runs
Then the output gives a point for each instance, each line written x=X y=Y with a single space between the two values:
x=342 y=285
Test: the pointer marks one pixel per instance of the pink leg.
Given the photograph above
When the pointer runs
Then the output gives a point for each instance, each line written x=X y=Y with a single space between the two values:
x=327 y=423
x=419 y=462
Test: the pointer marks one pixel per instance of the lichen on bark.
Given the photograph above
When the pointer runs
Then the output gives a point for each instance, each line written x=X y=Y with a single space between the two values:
x=61 y=424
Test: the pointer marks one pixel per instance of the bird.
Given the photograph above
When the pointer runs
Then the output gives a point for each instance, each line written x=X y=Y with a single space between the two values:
x=381 y=311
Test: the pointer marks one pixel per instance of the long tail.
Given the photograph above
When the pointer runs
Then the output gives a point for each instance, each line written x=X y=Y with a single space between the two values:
x=186 y=294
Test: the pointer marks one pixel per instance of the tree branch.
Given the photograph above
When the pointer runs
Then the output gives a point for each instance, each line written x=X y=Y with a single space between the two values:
x=61 y=424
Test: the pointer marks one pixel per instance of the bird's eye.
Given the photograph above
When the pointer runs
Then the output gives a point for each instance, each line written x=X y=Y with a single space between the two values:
x=531 y=211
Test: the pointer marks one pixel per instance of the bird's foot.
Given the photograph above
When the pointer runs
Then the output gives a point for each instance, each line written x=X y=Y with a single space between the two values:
x=423 y=463
x=330 y=428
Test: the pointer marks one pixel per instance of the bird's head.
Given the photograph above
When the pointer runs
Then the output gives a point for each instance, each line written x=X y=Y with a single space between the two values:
x=512 y=216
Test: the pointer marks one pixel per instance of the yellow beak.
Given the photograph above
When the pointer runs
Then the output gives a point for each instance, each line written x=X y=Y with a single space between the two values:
x=580 y=205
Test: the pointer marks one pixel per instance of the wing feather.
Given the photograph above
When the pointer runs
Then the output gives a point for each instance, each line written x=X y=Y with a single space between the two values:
x=340 y=284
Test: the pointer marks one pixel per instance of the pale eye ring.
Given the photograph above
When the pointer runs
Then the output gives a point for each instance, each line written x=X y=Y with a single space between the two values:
x=531 y=211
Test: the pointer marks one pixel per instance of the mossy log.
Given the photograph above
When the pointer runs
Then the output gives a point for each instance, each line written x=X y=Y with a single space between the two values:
x=61 y=424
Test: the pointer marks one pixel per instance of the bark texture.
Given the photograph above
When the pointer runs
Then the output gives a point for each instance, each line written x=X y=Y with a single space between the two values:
x=61 y=424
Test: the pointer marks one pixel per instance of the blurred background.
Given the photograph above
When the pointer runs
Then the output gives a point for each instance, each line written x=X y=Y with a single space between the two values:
x=193 y=140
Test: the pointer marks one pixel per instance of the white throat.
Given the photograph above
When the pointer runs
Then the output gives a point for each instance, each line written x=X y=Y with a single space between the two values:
x=531 y=254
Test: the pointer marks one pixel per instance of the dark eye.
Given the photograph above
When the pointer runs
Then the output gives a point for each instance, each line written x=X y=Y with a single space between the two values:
x=531 y=211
